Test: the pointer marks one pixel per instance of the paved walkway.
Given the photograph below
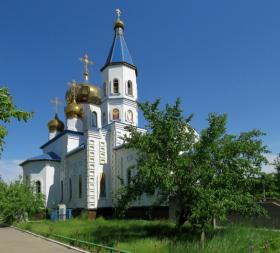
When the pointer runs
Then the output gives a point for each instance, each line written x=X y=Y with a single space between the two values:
x=14 y=241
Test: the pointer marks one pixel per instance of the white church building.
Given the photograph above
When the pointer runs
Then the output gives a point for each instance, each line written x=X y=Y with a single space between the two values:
x=83 y=160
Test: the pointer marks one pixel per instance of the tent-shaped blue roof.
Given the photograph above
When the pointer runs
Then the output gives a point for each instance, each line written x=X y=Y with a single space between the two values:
x=119 y=53
x=51 y=156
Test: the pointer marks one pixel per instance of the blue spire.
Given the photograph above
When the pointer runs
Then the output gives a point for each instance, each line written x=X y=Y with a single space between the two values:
x=119 y=53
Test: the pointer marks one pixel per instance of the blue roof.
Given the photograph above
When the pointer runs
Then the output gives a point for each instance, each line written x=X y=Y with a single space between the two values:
x=51 y=156
x=119 y=52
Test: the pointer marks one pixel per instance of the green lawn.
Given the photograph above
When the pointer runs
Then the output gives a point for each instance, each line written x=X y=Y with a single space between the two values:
x=141 y=236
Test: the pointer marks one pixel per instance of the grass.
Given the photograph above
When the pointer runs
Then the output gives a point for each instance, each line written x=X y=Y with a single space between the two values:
x=141 y=236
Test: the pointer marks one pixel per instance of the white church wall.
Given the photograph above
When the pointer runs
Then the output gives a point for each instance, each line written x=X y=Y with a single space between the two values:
x=73 y=141
x=58 y=146
x=88 y=121
x=74 y=124
x=64 y=144
x=130 y=75
x=75 y=168
x=46 y=172
x=117 y=100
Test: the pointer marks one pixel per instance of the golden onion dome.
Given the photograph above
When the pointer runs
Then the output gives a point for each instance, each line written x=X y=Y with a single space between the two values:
x=73 y=110
x=85 y=93
x=119 y=24
x=55 y=124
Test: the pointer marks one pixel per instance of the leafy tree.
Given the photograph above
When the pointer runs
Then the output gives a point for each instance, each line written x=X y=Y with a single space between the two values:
x=276 y=164
x=202 y=177
x=19 y=201
x=267 y=186
x=8 y=111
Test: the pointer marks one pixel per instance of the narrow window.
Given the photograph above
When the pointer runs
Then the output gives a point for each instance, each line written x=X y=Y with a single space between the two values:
x=38 y=187
x=94 y=119
x=116 y=86
x=129 y=116
x=116 y=114
x=80 y=187
x=61 y=190
x=129 y=88
x=103 y=186
x=128 y=176
x=104 y=118
x=70 y=189
x=104 y=89
x=27 y=180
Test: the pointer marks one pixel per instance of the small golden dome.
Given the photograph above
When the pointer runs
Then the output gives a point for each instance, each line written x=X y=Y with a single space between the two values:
x=73 y=110
x=55 y=124
x=119 y=24
x=85 y=93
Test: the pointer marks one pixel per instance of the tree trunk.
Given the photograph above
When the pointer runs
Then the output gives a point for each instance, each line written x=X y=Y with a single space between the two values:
x=202 y=238
x=264 y=193
x=183 y=217
x=214 y=223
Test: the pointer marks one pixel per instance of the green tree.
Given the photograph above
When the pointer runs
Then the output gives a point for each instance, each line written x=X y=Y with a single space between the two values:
x=18 y=201
x=9 y=111
x=267 y=186
x=203 y=176
x=276 y=164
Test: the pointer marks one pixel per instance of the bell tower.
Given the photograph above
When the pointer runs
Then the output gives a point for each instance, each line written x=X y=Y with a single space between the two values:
x=119 y=100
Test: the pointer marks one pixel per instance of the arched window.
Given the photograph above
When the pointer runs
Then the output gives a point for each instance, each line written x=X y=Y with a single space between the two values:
x=129 y=116
x=129 y=88
x=80 y=187
x=94 y=119
x=38 y=187
x=61 y=190
x=116 y=86
x=70 y=189
x=116 y=114
x=104 y=89
x=103 y=186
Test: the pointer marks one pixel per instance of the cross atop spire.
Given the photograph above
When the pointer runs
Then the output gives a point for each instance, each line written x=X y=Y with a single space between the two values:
x=86 y=61
x=119 y=53
x=56 y=103
x=118 y=12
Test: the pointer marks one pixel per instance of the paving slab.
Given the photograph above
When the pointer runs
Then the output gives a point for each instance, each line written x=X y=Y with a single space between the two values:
x=14 y=241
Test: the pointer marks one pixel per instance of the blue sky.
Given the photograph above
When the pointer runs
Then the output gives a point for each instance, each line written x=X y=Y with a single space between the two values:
x=218 y=56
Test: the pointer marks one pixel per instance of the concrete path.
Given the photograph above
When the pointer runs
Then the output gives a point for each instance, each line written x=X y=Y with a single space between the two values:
x=14 y=241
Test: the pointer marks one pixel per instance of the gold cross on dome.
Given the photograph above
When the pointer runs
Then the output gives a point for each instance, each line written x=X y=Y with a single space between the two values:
x=56 y=103
x=86 y=62
x=72 y=87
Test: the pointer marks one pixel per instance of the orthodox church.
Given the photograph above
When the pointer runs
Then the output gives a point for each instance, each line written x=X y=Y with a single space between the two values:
x=83 y=160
